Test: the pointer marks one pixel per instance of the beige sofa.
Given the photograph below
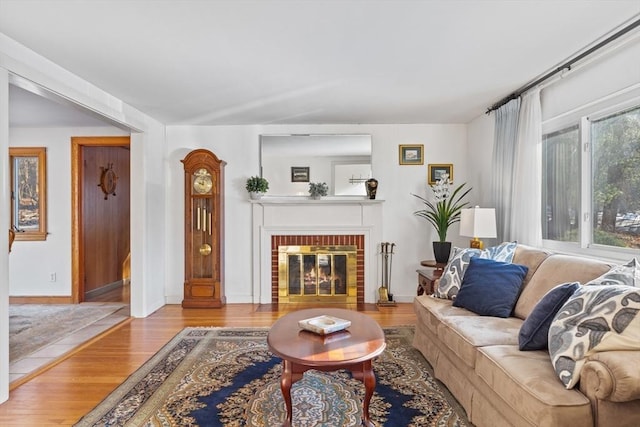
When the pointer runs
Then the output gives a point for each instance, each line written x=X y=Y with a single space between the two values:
x=478 y=359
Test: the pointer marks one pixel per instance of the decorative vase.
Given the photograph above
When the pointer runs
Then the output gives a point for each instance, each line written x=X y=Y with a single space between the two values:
x=372 y=186
x=442 y=251
x=316 y=197
x=255 y=195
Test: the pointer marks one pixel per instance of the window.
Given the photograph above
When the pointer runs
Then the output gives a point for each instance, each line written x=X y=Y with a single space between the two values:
x=615 y=146
x=591 y=181
x=28 y=192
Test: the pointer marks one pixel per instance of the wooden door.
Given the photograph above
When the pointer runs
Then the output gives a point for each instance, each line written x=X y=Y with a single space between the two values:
x=101 y=210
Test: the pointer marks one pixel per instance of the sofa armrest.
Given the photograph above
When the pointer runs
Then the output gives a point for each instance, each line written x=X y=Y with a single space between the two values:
x=612 y=376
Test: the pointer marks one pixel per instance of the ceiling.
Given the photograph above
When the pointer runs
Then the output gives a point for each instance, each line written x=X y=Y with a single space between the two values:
x=229 y=62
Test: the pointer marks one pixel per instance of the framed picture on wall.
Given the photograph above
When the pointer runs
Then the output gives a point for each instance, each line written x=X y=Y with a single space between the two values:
x=437 y=172
x=411 y=154
x=28 y=171
x=299 y=174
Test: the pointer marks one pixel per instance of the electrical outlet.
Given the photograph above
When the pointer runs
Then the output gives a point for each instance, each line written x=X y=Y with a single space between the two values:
x=52 y=277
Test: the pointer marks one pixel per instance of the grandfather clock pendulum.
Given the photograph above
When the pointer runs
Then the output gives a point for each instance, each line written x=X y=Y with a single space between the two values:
x=204 y=230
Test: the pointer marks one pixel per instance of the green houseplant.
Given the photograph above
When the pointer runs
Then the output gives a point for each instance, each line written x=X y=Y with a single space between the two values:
x=257 y=186
x=318 y=189
x=443 y=212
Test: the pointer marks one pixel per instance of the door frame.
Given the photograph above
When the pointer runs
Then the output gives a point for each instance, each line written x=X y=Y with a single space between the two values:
x=77 y=230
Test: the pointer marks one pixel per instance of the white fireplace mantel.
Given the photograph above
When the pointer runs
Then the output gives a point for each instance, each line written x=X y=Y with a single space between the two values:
x=273 y=216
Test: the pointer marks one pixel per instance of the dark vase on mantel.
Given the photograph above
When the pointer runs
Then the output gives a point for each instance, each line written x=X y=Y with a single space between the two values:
x=372 y=187
x=441 y=251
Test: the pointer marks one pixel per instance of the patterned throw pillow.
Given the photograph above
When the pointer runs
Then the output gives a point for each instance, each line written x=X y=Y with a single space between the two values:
x=504 y=252
x=627 y=274
x=451 y=280
x=595 y=318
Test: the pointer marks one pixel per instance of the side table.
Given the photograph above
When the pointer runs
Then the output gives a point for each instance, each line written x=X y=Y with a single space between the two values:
x=427 y=277
x=438 y=266
x=427 y=280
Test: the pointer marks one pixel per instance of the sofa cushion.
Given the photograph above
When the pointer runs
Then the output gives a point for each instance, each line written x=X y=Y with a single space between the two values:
x=490 y=288
x=432 y=310
x=449 y=284
x=553 y=271
x=595 y=318
x=525 y=380
x=464 y=334
x=531 y=257
x=535 y=329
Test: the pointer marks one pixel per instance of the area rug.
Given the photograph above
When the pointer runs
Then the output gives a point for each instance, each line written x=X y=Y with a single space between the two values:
x=34 y=326
x=227 y=377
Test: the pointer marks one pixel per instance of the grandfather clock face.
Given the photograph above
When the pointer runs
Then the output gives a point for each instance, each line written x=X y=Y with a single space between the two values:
x=202 y=181
x=203 y=221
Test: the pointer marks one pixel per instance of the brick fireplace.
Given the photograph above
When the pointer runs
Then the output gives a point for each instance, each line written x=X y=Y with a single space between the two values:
x=317 y=240
x=284 y=221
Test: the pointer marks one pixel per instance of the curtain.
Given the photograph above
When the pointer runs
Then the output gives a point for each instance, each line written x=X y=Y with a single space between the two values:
x=525 y=224
x=502 y=178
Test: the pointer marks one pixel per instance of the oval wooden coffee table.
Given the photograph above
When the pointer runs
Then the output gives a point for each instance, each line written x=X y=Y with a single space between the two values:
x=352 y=349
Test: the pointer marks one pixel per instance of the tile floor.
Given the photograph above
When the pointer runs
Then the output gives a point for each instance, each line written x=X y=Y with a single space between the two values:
x=49 y=354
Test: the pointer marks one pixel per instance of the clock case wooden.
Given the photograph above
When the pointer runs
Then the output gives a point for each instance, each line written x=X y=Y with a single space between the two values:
x=204 y=272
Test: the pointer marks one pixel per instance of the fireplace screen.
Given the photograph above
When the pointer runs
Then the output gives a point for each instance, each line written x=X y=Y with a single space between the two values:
x=317 y=274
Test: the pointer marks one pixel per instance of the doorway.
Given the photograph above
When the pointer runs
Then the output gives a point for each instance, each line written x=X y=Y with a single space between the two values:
x=100 y=218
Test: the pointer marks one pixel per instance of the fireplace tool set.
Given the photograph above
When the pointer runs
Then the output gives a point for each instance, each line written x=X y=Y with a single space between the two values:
x=385 y=296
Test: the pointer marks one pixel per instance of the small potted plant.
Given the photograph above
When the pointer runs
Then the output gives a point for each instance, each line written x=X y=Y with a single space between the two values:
x=318 y=189
x=257 y=186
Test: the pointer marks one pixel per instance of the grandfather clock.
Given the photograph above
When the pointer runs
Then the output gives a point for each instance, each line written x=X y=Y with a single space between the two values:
x=203 y=230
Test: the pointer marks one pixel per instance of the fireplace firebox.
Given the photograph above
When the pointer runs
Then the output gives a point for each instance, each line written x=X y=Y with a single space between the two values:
x=317 y=274
x=318 y=269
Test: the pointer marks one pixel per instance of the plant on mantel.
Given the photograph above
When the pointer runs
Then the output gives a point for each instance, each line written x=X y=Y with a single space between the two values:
x=444 y=211
x=257 y=186
x=318 y=189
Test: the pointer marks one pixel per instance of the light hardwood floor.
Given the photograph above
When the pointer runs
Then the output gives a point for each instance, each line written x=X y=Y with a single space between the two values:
x=61 y=395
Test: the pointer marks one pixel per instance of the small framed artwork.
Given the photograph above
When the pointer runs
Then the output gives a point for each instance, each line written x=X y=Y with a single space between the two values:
x=28 y=170
x=437 y=172
x=299 y=174
x=412 y=154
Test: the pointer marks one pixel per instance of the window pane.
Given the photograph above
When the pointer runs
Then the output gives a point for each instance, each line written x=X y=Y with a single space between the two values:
x=616 y=179
x=561 y=185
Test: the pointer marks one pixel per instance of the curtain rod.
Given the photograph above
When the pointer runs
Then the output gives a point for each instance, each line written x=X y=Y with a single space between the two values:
x=566 y=66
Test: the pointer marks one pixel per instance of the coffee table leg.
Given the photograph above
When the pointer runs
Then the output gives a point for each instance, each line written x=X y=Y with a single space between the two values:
x=285 y=386
x=369 y=380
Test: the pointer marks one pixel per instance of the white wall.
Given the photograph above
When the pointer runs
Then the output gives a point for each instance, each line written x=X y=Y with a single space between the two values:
x=26 y=277
x=239 y=147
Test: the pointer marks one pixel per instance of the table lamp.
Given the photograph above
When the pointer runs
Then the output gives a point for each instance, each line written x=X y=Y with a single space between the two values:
x=476 y=223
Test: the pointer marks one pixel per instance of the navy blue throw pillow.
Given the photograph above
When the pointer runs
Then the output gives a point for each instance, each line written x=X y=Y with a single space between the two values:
x=490 y=288
x=534 y=332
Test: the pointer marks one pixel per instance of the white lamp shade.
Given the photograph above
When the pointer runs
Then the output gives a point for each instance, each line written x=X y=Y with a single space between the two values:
x=478 y=222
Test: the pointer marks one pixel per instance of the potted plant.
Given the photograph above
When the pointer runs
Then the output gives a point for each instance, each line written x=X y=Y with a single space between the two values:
x=442 y=213
x=257 y=186
x=318 y=189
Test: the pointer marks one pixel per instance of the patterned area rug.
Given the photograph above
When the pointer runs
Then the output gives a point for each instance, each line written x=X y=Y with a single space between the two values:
x=34 y=326
x=227 y=377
